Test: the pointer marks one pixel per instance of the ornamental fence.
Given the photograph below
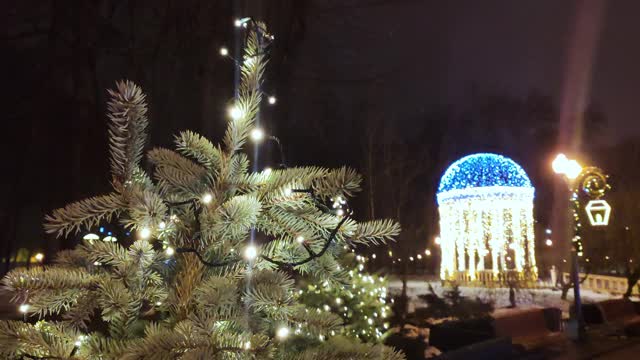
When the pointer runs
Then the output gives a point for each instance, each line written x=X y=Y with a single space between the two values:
x=615 y=285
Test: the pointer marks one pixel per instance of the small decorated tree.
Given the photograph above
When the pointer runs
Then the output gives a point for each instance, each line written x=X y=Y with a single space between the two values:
x=361 y=303
x=213 y=271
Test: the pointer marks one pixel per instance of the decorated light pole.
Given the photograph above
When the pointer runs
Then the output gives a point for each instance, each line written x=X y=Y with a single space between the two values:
x=592 y=182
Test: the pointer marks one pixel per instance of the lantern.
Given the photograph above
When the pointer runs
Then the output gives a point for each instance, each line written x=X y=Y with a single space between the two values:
x=598 y=212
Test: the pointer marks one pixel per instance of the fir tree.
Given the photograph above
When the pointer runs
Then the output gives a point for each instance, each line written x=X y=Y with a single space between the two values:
x=212 y=274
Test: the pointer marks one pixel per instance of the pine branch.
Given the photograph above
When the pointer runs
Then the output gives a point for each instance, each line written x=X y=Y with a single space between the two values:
x=376 y=232
x=201 y=149
x=127 y=129
x=84 y=214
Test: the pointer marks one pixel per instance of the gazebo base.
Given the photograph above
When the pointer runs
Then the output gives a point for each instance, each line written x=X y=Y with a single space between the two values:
x=489 y=278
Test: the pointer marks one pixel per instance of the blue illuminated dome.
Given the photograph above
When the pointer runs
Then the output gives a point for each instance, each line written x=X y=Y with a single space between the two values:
x=494 y=174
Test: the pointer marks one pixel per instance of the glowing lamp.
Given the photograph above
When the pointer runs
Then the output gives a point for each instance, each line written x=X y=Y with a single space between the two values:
x=598 y=212
x=565 y=166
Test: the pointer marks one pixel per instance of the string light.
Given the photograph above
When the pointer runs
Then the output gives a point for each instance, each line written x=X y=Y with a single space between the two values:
x=257 y=134
x=272 y=100
x=145 y=233
x=224 y=51
x=39 y=257
x=162 y=225
x=300 y=239
x=250 y=252
x=207 y=198
x=235 y=113
x=242 y=22
x=282 y=332
x=24 y=308
x=169 y=251
x=486 y=207
x=548 y=242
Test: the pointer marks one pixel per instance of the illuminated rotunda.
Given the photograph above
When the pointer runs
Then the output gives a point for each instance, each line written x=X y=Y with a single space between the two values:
x=486 y=221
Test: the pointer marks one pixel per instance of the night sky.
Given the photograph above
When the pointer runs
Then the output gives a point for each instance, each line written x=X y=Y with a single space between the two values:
x=425 y=52
x=338 y=68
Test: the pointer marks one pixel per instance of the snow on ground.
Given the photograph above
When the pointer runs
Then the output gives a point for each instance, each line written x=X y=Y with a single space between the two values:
x=542 y=297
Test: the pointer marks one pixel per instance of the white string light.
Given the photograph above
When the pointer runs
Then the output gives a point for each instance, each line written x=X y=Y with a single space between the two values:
x=272 y=100
x=24 y=308
x=235 y=113
x=144 y=233
x=207 y=198
x=257 y=134
x=169 y=251
x=250 y=252
x=282 y=333
x=224 y=51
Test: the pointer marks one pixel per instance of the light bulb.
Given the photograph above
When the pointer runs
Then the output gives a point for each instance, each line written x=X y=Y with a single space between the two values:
x=237 y=23
x=207 y=198
x=170 y=251
x=250 y=252
x=338 y=301
x=247 y=345
x=427 y=252
x=373 y=256
x=288 y=192
x=158 y=303
x=267 y=171
x=39 y=257
x=340 y=212
x=224 y=51
x=272 y=100
x=300 y=239
x=144 y=233
x=282 y=333
x=419 y=257
x=548 y=242
x=257 y=134
x=235 y=113
x=24 y=308
x=162 y=225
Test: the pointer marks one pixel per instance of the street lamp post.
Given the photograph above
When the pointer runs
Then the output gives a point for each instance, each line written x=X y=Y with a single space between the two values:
x=590 y=181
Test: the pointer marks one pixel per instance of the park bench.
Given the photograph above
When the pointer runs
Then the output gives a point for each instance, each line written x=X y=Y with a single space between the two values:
x=529 y=328
x=620 y=316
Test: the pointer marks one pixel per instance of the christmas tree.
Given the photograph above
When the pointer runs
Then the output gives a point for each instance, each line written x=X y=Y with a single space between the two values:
x=213 y=271
x=361 y=303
